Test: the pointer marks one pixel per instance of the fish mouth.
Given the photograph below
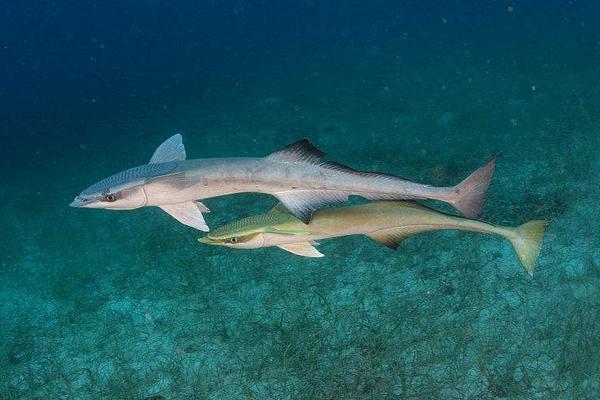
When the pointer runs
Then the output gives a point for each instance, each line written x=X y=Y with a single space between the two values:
x=207 y=240
x=80 y=202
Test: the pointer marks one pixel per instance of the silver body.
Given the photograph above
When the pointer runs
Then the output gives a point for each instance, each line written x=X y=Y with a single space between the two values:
x=213 y=177
x=295 y=175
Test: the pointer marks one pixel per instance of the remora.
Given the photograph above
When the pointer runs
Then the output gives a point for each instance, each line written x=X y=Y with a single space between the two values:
x=295 y=175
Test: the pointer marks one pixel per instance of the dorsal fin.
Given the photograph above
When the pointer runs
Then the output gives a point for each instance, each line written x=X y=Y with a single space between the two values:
x=279 y=208
x=339 y=167
x=171 y=149
x=301 y=151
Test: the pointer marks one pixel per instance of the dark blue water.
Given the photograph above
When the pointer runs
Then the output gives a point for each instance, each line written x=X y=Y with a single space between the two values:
x=127 y=305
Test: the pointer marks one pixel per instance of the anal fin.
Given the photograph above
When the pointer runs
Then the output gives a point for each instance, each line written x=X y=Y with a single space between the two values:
x=302 y=203
x=304 y=249
x=188 y=214
x=393 y=237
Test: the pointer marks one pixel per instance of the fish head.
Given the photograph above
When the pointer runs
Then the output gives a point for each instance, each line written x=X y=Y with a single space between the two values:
x=254 y=240
x=122 y=191
x=256 y=231
x=247 y=233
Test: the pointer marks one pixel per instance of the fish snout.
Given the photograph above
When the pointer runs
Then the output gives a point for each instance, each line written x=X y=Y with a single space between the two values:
x=207 y=240
x=79 y=202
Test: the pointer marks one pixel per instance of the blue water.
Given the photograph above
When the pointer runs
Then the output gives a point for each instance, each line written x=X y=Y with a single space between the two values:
x=99 y=304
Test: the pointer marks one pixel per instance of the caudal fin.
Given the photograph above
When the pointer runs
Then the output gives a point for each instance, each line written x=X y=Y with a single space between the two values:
x=470 y=193
x=527 y=241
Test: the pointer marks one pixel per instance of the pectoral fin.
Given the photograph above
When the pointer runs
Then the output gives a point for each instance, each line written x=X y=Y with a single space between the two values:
x=304 y=249
x=202 y=207
x=188 y=214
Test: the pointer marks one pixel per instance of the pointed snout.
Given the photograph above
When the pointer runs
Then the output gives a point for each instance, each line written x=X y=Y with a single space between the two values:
x=79 y=202
x=207 y=240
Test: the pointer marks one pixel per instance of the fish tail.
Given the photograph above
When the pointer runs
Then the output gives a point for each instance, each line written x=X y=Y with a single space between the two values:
x=470 y=193
x=527 y=241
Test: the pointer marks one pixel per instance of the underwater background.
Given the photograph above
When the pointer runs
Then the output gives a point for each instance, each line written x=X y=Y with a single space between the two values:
x=96 y=304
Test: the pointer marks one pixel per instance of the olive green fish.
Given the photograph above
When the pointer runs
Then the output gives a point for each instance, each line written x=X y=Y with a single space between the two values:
x=387 y=222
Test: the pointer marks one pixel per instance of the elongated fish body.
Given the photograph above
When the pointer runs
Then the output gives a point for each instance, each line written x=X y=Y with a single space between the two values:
x=206 y=178
x=295 y=175
x=387 y=222
x=405 y=217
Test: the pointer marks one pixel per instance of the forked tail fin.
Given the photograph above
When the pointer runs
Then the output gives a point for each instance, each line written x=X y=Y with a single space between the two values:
x=527 y=241
x=471 y=192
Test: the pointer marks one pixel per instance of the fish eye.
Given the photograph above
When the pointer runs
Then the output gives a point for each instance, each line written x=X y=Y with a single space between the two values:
x=110 y=197
x=233 y=240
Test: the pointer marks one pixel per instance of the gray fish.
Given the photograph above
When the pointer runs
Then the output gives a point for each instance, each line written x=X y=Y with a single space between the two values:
x=295 y=175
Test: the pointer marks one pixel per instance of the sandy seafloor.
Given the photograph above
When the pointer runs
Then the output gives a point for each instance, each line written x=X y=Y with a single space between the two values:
x=127 y=305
